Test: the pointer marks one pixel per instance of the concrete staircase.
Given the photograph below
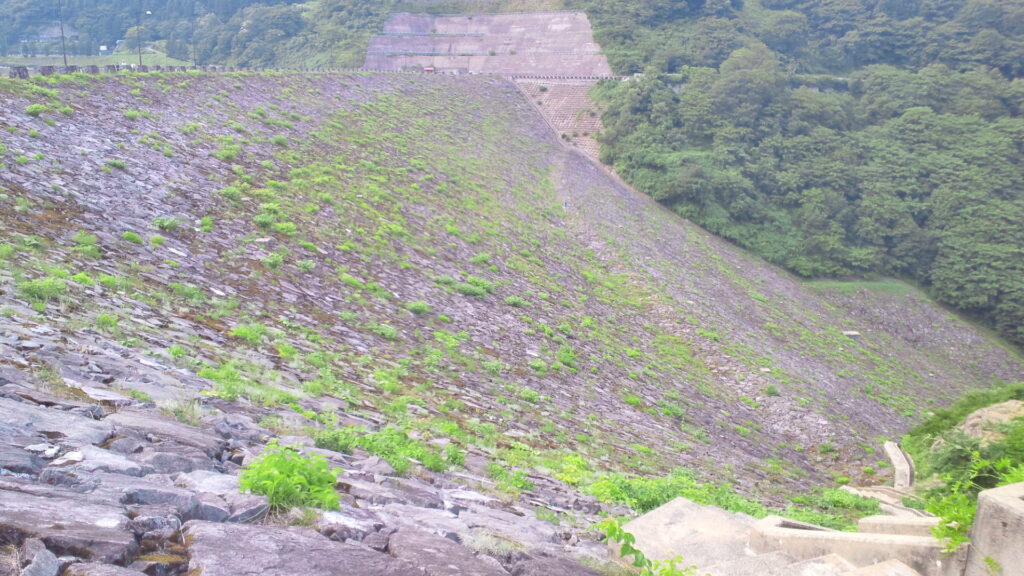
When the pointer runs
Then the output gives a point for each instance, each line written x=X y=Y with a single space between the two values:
x=900 y=543
x=721 y=543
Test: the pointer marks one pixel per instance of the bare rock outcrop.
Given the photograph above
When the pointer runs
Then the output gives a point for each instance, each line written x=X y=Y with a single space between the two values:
x=984 y=424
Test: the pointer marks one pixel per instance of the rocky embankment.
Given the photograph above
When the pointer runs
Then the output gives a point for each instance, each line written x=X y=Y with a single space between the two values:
x=114 y=488
x=194 y=264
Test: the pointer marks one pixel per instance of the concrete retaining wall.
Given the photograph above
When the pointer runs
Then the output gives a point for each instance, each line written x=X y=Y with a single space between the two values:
x=997 y=538
x=555 y=43
x=805 y=541
x=903 y=465
x=905 y=525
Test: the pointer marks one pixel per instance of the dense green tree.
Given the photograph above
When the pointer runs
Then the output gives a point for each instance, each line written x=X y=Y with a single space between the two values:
x=899 y=155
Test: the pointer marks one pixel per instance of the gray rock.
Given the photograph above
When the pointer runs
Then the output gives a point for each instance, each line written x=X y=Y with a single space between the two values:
x=378 y=540
x=152 y=490
x=528 y=531
x=67 y=523
x=220 y=496
x=44 y=450
x=349 y=524
x=16 y=459
x=168 y=462
x=236 y=427
x=100 y=460
x=370 y=492
x=232 y=507
x=154 y=427
x=208 y=481
x=22 y=419
x=213 y=550
x=43 y=563
x=374 y=465
x=125 y=446
x=94 y=569
x=72 y=458
x=548 y=566
x=440 y=522
x=30 y=549
x=107 y=397
x=416 y=493
x=439 y=556
x=44 y=399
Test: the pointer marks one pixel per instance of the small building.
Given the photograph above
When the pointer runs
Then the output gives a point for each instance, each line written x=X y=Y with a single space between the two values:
x=51 y=33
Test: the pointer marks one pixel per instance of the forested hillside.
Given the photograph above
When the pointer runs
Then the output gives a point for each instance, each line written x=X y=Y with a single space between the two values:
x=836 y=139
x=238 y=32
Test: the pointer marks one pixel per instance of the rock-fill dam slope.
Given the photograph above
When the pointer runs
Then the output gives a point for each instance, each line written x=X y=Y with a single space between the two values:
x=417 y=253
x=313 y=209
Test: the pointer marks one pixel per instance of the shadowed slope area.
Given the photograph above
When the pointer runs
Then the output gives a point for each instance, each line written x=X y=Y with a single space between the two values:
x=364 y=249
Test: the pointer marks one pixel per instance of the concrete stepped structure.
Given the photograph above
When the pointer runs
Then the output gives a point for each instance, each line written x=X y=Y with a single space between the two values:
x=551 y=56
x=721 y=543
x=547 y=43
x=900 y=543
x=891 y=499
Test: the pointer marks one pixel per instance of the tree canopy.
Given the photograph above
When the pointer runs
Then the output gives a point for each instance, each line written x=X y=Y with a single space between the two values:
x=837 y=139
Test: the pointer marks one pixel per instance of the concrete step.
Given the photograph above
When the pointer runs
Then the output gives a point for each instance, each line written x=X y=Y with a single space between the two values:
x=828 y=565
x=906 y=525
x=890 y=498
x=750 y=565
x=702 y=535
x=887 y=568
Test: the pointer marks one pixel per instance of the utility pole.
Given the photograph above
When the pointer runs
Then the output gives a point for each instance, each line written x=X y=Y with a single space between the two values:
x=138 y=32
x=63 y=46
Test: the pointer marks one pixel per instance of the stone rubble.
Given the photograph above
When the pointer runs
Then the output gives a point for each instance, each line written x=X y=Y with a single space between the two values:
x=131 y=492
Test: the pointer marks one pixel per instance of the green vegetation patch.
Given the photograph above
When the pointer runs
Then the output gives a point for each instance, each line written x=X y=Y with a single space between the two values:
x=289 y=479
x=830 y=508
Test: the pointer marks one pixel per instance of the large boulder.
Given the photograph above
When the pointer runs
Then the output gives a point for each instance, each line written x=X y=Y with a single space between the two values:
x=232 y=549
x=549 y=566
x=439 y=556
x=68 y=523
x=220 y=497
x=984 y=424
x=159 y=430
x=25 y=419
x=93 y=569
x=15 y=458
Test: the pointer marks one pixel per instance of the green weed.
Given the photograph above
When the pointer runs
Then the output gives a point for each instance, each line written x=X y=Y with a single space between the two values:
x=289 y=479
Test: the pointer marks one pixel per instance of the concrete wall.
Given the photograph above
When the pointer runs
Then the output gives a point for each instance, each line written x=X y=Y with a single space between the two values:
x=804 y=541
x=997 y=538
x=553 y=43
x=902 y=464
x=907 y=526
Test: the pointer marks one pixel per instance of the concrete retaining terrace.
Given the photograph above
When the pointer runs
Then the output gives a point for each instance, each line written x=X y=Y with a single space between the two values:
x=997 y=537
x=907 y=526
x=549 y=43
x=806 y=541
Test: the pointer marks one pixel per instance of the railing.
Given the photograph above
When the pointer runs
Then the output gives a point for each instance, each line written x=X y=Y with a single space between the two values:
x=26 y=72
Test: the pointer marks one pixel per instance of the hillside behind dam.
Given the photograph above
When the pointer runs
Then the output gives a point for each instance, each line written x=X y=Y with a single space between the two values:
x=473 y=321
